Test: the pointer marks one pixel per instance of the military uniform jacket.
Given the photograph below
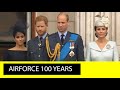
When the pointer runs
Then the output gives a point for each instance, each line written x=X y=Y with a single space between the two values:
x=78 y=50
x=35 y=52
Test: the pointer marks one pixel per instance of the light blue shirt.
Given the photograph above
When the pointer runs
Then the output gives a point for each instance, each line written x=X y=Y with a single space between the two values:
x=59 y=33
x=43 y=36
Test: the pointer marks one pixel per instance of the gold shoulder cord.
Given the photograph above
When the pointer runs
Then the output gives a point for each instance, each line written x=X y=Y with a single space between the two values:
x=56 y=52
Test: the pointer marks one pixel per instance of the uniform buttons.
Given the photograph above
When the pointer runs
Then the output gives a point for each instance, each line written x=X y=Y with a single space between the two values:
x=38 y=55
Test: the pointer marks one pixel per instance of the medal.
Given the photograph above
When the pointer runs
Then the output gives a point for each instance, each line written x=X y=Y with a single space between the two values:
x=71 y=53
x=108 y=46
x=39 y=44
x=72 y=46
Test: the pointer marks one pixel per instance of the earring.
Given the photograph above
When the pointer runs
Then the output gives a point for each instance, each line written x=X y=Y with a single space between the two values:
x=96 y=35
x=106 y=34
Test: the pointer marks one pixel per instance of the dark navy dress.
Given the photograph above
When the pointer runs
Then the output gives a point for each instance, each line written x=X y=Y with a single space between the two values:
x=12 y=55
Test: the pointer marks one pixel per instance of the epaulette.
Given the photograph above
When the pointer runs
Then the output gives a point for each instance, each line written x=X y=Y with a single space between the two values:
x=50 y=35
x=74 y=33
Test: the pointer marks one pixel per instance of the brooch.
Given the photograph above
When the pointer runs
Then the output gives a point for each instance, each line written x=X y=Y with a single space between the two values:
x=108 y=46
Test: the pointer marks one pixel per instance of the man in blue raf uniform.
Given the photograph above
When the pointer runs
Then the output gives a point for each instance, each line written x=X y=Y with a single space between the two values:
x=71 y=44
x=36 y=46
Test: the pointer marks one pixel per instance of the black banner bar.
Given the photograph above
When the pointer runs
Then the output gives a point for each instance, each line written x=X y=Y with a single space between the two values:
x=42 y=69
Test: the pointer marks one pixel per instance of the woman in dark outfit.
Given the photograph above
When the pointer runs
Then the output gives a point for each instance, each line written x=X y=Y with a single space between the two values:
x=19 y=52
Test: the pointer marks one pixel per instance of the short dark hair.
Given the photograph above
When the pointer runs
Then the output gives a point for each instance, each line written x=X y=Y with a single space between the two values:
x=18 y=29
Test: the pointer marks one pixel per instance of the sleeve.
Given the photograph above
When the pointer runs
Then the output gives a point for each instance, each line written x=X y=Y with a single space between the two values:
x=6 y=56
x=116 y=55
x=28 y=51
x=88 y=53
x=80 y=49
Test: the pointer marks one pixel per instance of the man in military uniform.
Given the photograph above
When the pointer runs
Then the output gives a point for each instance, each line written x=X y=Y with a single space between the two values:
x=71 y=44
x=36 y=46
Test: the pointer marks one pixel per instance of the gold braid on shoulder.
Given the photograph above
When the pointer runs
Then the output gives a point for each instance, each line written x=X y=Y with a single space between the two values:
x=56 y=52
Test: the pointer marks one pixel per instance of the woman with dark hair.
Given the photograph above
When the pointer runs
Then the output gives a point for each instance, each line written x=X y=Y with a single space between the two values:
x=19 y=52
x=102 y=49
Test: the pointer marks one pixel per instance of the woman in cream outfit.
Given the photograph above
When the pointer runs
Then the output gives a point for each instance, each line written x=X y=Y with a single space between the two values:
x=102 y=49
